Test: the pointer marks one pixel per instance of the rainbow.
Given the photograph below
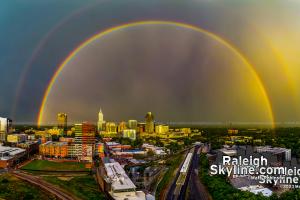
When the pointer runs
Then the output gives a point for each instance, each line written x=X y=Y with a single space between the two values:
x=134 y=24
x=39 y=47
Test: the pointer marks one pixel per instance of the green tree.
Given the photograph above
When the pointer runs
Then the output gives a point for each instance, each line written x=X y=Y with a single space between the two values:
x=55 y=137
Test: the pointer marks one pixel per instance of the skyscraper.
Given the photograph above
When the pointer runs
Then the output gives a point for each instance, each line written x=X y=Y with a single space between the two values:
x=149 y=123
x=141 y=127
x=100 y=120
x=122 y=126
x=62 y=120
x=132 y=124
x=5 y=127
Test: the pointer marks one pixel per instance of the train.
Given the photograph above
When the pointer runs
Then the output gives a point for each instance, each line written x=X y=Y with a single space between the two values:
x=183 y=172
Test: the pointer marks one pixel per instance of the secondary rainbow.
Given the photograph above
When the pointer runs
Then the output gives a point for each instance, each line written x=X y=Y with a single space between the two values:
x=133 y=24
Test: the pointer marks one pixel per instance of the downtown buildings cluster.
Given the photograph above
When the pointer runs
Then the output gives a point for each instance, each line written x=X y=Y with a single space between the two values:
x=85 y=140
x=109 y=145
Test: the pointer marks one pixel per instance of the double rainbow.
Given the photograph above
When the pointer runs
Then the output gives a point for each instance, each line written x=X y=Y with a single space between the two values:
x=211 y=35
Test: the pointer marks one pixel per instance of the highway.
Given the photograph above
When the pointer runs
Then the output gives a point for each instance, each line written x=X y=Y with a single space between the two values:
x=44 y=185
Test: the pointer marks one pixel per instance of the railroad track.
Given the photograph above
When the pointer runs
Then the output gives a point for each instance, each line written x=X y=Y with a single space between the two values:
x=44 y=185
x=178 y=187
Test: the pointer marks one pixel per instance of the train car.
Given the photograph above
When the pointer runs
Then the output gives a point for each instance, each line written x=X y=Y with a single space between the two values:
x=183 y=173
x=186 y=163
x=184 y=168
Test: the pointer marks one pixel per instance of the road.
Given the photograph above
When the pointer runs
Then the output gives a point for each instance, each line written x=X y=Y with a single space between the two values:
x=44 y=185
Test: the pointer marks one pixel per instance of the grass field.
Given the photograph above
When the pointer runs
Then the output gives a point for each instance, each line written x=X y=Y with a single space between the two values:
x=55 y=166
x=84 y=187
x=13 y=188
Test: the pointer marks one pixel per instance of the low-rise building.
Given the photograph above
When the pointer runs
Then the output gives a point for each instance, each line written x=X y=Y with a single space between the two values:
x=155 y=149
x=228 y=151
x=16 y=138
x=55 y=131
x=116 y=145
x=9 y=156
x=31 y=147
x=54 y=149
x=276 y=151
x=257 y=189
x=31 y=137
x=67 y=139
x=120 y=186
x=233 y=131
x=107 y=134
x=186 y=130
x=127 y=153
x=129 y=133
x=161 y=129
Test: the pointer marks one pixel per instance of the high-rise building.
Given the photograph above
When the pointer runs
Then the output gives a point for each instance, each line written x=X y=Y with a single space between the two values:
x=85 y=141
x=132 y=124
x=100 y=120
x=141 y=127
x=62 y=120
x=111 y=127
x=122 y=126
x=5 y=128
x=100 y=150
x=149 y=123
x=109 y=130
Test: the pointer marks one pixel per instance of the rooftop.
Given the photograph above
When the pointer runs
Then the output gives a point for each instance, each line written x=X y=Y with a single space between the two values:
x=112 y=143
x=229 y=152
x=256 y=189
x=7 y=153
x=275 y=150
x=117 y=177
x=55 y=143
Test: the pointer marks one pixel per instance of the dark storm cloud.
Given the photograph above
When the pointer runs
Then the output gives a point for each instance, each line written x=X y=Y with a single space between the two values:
x=138 y=69
x=103 y=15
x=23 y=26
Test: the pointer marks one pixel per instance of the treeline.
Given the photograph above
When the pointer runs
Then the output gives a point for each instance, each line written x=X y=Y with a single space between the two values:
x=279 y=137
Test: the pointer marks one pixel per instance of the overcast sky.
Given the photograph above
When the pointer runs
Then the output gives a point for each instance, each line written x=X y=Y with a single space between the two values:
x=178 y=74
